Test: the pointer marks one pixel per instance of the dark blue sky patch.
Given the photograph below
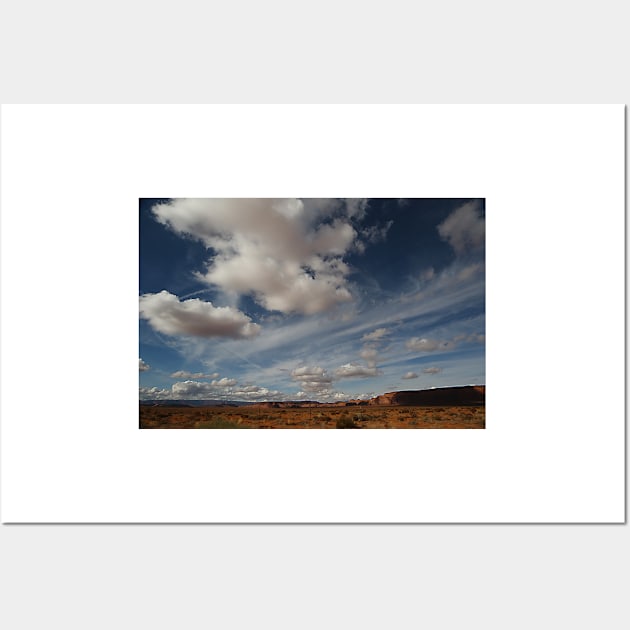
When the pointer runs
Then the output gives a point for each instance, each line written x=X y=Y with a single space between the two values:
x=167 y=261
x=412 y=245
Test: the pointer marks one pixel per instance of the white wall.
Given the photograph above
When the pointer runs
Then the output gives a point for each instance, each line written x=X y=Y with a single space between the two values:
x=481 y=576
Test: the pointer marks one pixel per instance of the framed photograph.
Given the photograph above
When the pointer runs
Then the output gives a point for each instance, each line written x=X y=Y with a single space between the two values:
x=312 y=313
x=390 y=268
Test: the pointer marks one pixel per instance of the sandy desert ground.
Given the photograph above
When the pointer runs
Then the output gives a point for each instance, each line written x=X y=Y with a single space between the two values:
x=372 y=417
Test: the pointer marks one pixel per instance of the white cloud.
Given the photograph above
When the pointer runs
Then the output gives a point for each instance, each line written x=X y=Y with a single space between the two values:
x=253 y=393
x=429 y=345
x=192 y=389
x=375 y=335
x=144 y=366
x=277 y=250
x=222 y=389
x=314 y=387
x=409 y=375
x=326 y=396
x=313 y=374
x=314 y=380
x=355 y=207
x=370 y=355
x=224 y=382
x=464 y=229
x=432 y=370
x=190 y=375
x=252 y=389
x=365 y=396
x=153 y=393
x=354 y=370
x=340 y=396
x=168 y=315
x=301 y=395
x=196 y=389
x=468 y=272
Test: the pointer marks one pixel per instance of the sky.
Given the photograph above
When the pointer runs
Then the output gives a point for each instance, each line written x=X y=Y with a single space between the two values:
x=309 y=299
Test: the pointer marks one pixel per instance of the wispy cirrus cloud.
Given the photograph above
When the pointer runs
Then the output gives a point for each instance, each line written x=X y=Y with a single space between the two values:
x=375 y=335
x=432 y=370
x=356 y=370
x=422 y=344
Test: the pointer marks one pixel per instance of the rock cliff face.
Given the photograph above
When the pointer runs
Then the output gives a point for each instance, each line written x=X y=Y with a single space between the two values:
x=469 y=395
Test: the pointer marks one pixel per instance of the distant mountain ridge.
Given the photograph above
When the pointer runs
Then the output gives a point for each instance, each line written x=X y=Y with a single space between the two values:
x=176 y=402
x=466 y=395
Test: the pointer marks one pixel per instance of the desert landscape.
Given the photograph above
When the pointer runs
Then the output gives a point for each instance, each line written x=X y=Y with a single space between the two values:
x=446 y=408
x=309 y=313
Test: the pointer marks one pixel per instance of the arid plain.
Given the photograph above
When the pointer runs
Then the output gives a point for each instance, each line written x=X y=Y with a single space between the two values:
x=258 y=417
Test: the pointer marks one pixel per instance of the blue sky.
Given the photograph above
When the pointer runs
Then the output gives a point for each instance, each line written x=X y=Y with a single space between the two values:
x=310 y=299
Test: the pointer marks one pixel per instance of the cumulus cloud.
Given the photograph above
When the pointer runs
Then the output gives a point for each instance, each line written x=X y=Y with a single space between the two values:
x=307 y=373
x=302 y=395
x=144 y=366
x=168 y=315
x=355 y=370
x=154 y=393
x=223 y=389
x=192 y=389
x=254 y=393
x=356 y=207
x=286 y=253
x=327 y=396
x=314 y=380
x=432 y=370
x=365 y=396
x=409 y=375
x=370 y=355
x=464 y=229
x=196 y=389
x=375 y=335
x=224 y=382
x=189 y=375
